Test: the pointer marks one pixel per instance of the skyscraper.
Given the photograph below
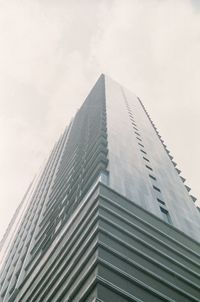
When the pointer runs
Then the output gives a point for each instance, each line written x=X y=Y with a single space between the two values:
x=109 y=218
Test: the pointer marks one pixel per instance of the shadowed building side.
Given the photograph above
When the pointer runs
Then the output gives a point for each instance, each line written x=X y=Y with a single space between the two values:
x=110 y=249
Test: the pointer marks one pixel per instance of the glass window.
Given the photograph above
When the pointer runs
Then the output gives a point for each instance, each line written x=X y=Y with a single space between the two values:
x=166 y=216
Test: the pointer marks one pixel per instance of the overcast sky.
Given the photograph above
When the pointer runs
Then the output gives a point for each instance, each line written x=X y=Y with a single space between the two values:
x=52 y=52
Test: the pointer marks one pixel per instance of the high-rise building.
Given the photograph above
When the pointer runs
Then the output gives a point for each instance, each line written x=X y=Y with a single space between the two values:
x=109 y=218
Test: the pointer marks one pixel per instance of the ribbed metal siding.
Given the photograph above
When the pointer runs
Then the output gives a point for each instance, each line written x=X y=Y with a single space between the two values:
x=114 y=250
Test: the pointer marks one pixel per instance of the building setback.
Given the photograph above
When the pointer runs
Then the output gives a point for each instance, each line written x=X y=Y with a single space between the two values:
x=109 y=218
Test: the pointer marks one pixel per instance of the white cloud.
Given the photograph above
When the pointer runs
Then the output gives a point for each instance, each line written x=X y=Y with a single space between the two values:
x=44 y=75
x=51 y=53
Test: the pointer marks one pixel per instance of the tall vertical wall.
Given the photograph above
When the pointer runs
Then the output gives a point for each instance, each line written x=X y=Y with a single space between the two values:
x=111 y=140
x=140 y=167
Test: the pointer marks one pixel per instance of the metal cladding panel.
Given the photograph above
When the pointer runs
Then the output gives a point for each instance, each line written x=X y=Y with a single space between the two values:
x=114 y=250
x=69 y=265
x=14 y=266
x=77 y=161
x=140 y=167
x=142 y=258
